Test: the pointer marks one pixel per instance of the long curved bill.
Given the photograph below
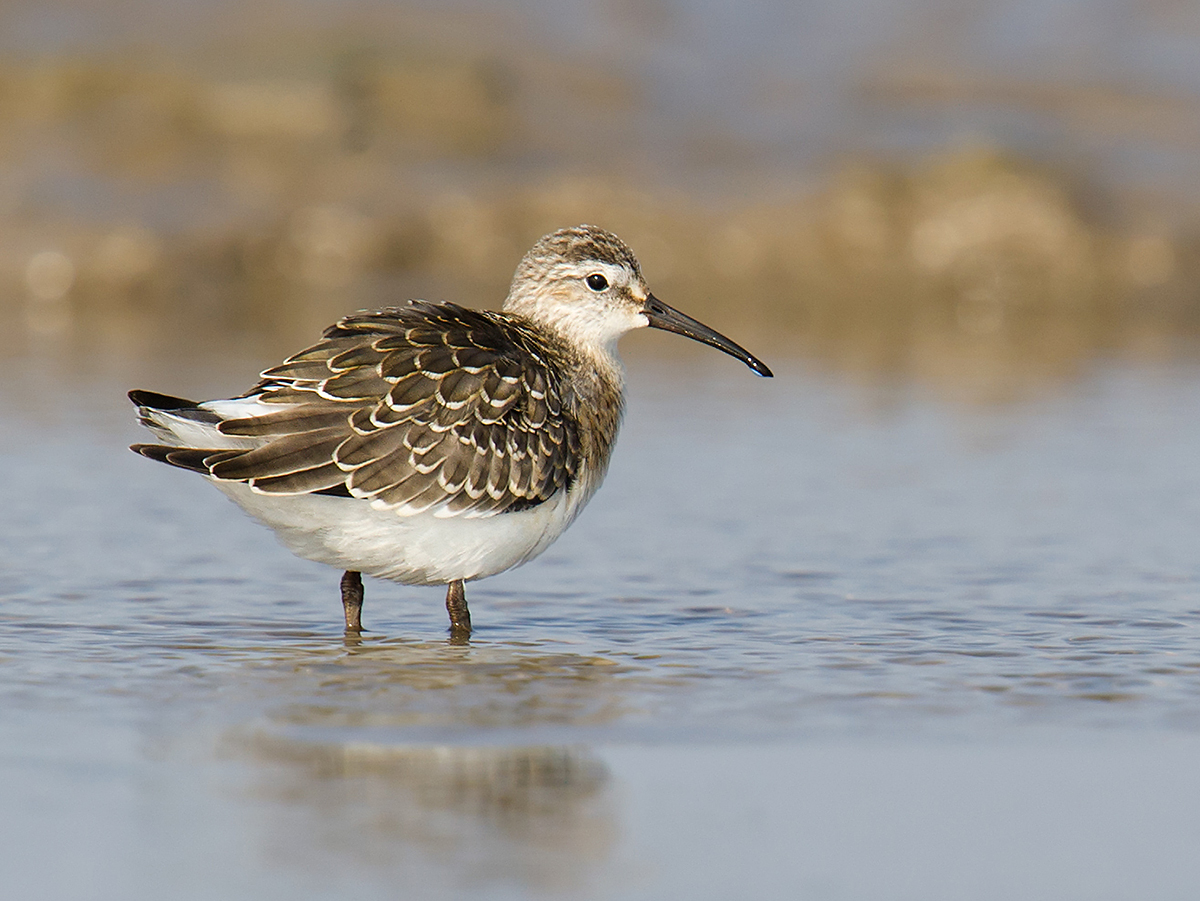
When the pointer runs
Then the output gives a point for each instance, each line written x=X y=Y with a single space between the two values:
x=669 y=319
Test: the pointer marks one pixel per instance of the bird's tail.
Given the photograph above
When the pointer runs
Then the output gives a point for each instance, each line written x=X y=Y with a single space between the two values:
x=188 y=432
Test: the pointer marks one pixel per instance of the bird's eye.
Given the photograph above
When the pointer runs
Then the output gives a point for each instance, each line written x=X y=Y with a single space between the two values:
x=597 y=282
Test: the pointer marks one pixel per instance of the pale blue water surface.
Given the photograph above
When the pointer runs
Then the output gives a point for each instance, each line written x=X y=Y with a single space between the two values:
x=809 y=641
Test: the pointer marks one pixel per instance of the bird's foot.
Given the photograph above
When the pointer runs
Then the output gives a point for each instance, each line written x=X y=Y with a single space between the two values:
x=352 y=600
x=456 y=606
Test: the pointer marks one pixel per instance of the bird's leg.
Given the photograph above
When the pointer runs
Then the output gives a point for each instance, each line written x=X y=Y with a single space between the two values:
x=352 y=600
x=456 y=606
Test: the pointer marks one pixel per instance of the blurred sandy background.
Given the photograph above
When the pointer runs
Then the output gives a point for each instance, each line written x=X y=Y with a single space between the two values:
x=980 y=196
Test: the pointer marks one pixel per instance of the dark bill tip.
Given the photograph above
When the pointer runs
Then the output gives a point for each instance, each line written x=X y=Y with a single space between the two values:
x=669 y=319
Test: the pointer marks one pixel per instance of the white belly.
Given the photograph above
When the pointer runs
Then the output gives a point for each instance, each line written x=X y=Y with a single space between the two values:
x=421 y=549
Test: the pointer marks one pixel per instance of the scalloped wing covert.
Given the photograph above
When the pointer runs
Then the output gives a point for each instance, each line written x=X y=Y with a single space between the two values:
x=428 y=406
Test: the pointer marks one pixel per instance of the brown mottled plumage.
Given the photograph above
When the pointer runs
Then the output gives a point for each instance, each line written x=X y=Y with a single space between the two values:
x=356 y=448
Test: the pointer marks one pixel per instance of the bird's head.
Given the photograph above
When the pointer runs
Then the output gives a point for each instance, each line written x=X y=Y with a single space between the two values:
x=586 y=284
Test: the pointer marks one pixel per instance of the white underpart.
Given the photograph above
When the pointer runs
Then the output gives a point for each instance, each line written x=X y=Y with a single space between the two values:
x=180 y=431
x=418 y=549
x=428 y=548
x=241 y=407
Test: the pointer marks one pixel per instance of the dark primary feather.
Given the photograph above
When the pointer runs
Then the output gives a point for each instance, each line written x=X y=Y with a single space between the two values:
x=418 y=406
x=156 y=401
x=177 y=406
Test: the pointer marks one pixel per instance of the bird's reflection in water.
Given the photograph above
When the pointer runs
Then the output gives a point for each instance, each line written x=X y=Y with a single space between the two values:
x=537 y=817
x=433 y=763
x=419 y=691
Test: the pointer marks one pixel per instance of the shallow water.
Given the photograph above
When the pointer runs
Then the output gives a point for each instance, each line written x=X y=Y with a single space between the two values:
x=809 y=640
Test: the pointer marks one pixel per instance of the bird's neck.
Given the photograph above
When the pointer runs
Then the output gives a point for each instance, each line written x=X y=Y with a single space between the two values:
x=596 y=398
x=591 y=382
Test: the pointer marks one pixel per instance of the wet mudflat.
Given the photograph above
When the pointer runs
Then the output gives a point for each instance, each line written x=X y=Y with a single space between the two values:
x=808 y=641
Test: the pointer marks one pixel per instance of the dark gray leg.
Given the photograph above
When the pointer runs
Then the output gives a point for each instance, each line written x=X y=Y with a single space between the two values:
x=456 y=606
x=352 y=600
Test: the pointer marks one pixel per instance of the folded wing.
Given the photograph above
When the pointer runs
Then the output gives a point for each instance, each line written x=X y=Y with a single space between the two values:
x=417 y=408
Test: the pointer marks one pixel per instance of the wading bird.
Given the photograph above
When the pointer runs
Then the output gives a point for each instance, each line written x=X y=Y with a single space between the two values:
x=431 y=444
